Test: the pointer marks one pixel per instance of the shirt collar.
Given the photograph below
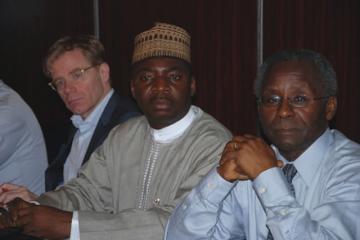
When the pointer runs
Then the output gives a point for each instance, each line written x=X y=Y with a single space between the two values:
x=91 y=121
x=176 y=129
x=308 y=163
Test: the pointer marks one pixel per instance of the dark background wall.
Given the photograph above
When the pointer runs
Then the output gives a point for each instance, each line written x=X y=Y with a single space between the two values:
x=224 y=49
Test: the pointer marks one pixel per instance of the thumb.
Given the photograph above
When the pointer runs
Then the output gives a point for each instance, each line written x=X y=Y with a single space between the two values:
x=280 y=163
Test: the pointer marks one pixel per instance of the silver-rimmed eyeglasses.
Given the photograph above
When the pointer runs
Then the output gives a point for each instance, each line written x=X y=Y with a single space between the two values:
x=74 y=76
x=298 y=101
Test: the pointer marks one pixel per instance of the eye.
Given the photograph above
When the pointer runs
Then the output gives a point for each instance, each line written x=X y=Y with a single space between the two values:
x=59 y=83
x=77 y=74
x=174 y=76
x=299 y=99
x=146 y=77
x=271 y=100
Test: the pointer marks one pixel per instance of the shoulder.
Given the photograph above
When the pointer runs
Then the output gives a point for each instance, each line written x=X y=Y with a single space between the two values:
x=341 y=146
x=343 y=157
x=206 y=125
x=119 y=109
x=124 y=103
x=11 y=105
x=133 y=126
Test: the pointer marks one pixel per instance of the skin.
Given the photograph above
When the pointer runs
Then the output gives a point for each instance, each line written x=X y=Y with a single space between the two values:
x=291 y=130
x=81 y=97
x=40 y=221
x=9 y=192
x=162 y=88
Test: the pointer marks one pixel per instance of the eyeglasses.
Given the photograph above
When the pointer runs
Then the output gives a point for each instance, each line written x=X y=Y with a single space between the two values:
x=298 y=101
x=74 y=76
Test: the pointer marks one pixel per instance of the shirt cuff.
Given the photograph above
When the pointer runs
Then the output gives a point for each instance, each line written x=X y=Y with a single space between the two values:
x=272 y=187
x=75 y=230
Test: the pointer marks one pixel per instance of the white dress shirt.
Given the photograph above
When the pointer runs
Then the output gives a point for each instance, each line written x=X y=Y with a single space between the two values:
x=83 y=135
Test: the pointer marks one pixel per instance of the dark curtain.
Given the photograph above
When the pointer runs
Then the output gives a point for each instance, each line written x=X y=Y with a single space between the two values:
x=27 y=29
x=330 y=27
x=223 y=49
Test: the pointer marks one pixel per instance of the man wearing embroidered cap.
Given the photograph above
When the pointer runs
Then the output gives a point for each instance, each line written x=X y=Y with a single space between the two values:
x=146 y=166
x=316 y=195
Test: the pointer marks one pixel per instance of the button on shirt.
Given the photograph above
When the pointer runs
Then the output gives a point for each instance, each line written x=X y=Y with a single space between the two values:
x=327 y=204
x=83 y=135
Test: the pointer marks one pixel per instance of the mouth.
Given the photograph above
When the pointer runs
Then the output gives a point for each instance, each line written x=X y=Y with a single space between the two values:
x=161 y=103
x=73 y=101
x=286 y=131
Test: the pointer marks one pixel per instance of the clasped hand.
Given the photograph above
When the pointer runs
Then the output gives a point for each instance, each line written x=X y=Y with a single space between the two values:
x=38 y=221
x=245 y=157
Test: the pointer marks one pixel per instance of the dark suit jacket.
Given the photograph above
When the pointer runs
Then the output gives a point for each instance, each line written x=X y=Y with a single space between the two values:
x=118 y=110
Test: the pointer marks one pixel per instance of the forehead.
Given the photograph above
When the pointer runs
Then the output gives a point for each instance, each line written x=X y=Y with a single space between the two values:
x=68 y=60
x=160 y=64
x=292 y=76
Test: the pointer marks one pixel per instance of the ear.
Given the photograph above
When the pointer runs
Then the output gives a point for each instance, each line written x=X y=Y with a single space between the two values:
x=193 y=86
x=105 y=72
x=132 y=88
x=331 y=106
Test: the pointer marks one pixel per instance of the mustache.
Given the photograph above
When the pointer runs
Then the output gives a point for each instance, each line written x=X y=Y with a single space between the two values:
x=286 y=125
x=160 y=96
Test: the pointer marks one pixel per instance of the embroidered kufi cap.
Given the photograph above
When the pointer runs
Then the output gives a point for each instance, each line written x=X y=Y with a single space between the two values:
x=163 y=40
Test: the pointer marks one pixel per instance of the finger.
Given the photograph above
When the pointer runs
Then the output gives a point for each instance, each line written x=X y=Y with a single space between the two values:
x=15 y=205
x=7 y=190
x=21 y=192
x=24 y=217
x=8 y=186
x=227 y=157
x=6 y=197
x=228 y=148
x=231 y=172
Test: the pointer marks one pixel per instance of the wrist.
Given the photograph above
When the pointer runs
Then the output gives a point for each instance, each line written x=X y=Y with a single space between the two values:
x=225 y=175
x=64 y=228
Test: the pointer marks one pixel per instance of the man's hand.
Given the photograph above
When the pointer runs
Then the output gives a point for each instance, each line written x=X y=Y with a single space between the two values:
x=40 y=221
x=245 y=157
x=8 y=192
x=5 y=219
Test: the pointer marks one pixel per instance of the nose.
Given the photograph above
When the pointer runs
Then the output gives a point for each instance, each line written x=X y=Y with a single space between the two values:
x=68 y=87
x=161 y=84
x=285 y=110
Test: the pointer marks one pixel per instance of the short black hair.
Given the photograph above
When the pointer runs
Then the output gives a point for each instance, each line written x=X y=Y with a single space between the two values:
x=322 y=65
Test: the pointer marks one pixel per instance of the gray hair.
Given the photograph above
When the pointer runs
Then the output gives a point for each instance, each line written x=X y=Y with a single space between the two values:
x=322 y=65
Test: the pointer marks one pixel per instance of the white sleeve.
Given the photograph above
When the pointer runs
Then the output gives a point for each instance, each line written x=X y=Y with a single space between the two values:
x=75 y=230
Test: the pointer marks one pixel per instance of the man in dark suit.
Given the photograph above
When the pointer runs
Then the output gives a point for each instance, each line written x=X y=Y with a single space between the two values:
x=118 y=110
x=81 y=77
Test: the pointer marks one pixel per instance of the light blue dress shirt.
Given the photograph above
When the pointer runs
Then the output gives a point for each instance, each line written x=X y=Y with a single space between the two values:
x=23 y=157
x=327 y=204
x=85 y=130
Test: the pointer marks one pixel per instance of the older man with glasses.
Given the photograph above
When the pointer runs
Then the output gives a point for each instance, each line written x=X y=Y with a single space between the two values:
x=306 y=185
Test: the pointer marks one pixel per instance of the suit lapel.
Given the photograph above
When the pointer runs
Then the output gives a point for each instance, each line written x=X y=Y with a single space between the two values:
x=104 y=125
